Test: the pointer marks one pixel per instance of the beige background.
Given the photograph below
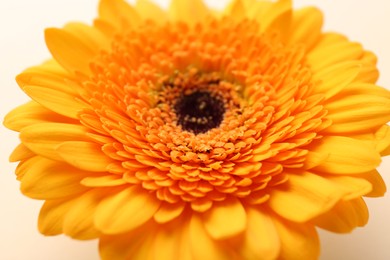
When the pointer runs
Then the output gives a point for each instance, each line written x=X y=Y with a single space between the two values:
x=21 y=45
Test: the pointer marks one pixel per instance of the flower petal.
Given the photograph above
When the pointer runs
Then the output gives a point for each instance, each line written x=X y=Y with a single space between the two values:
x=378 y=185
x=261 y=237
x=84 y=155
x=29 y=114
x=51 y=216
x=189 y=11
x=44 y=138
x=306 y=196
x=346 y=155
x=225 y=219
x=118 y=13
x=349 y=116
x=20 y=153
x=56 y=101
x=306 y=27
x=47 y=179
x=297 y=241
x=148 y=10
x=168 y=212
x=335 y=78
x=125 y=210
x=78 y=222
x=344 y=217
x=69 y=51
x=354 y=186
x=202 y=245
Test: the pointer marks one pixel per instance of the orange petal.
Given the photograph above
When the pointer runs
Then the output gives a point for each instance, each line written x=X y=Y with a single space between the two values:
x=378 y=185
x=47 y=179
x=69 y=51
x=29 y=114
x=225 y=219
x=167 y=212
x=126 y=210
x=297 y=241
x=190 y=11
x=306 y=27
x=202 y=245
x=148 y=10
x=346 y=155
x=84 y=155
x=44 y=138
x=306 y=196
x=78 y=221
x=261 y=237
x=119 y=13
x=344 y=217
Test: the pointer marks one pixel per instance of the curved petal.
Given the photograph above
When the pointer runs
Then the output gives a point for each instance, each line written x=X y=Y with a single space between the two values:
x=84 y=155
x=344 y=217
x=125 y=210
x=377 y=183
x=297 y=241
x=30 y=114
x=168 y=212
x=148 y=10
x=20 y=153
x=203 y=247
x=261 y=237
x=69 y=51
x=306 y=27
x=306 y=196
x=47 y=179
x=346 y=155
x=225 y=219
x=190 y=11
x=119 y=13
x=44 y=138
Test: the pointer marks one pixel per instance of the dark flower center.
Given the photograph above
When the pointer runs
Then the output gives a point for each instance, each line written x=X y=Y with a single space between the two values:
x=199 y=111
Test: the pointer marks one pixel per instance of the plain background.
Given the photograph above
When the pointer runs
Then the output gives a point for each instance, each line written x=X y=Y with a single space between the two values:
x=21 y=45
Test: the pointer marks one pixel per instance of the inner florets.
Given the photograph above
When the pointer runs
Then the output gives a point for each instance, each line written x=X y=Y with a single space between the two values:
x=199 y=111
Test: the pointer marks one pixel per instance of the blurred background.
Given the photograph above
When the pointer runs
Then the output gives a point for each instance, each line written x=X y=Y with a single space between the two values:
x=22 y=45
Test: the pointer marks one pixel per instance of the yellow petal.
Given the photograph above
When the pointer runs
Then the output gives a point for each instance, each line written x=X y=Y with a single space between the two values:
x=369 y=72
x=203 y=247
x=346 y=155
x=88 y=35
x=297 y=241
x=306 y=196
x=51 y=216
x=119 y=13
x=337 y=52
x=167 y=241
x=334 y=78
x=20 y=153
x=126 y=210
x=44 y=138
x=306 y=27
x=103 y=181
x=131 y=245
x=167 y=212
x=84 y=155
x=149 y=10
x=47 y=179
x=261 y=237
x=378 y=185
x=78 y=222
x=354 y=186
x=190 y=11
x=236 y=10
x=344 y=217
x=348 y=115
x=56 y=101
x=29 y=114
x=276 y=18
x=225 y=219
x=69 y=51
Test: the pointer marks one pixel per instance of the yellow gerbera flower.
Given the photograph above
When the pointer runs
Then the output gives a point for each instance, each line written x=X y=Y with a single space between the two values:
x=196 y=134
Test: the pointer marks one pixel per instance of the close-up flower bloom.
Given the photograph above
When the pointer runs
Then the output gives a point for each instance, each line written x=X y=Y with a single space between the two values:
x=193 y=133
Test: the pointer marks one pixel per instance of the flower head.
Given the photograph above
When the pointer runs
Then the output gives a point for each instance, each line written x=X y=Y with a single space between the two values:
x=196 y=134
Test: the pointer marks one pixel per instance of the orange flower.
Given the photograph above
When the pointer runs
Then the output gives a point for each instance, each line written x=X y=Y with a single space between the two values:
x=196 y=134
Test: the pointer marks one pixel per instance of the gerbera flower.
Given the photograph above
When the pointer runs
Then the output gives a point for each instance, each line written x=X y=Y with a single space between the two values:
x=197 y=134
